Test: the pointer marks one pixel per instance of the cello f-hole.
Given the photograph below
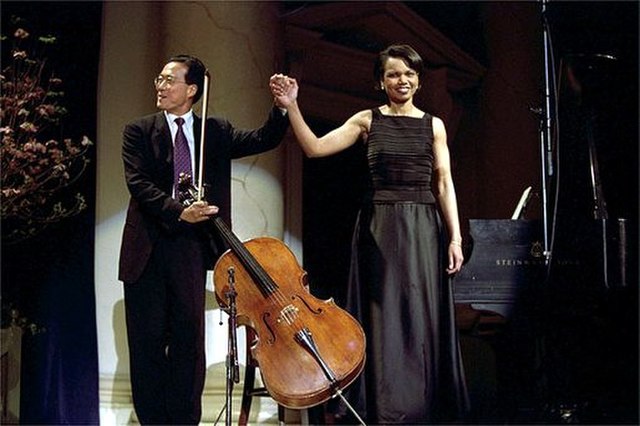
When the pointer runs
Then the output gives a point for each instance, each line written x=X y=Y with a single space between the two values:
x=303 y=300
x=272 y=339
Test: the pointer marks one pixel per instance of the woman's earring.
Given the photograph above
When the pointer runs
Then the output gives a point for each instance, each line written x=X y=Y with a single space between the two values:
x=381 y=86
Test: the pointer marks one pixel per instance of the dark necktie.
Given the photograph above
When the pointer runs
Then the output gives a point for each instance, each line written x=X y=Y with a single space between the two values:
x=181 y=154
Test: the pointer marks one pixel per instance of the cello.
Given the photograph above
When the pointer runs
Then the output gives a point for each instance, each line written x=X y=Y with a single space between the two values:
x=308 y=349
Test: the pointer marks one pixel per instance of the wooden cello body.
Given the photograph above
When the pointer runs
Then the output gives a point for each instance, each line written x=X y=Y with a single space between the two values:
x=307 y=349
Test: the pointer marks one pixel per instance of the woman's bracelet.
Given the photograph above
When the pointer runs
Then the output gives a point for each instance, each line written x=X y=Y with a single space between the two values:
x=456 y=243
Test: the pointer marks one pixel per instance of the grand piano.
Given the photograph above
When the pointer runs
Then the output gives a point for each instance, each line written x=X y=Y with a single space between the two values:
x=563 y=338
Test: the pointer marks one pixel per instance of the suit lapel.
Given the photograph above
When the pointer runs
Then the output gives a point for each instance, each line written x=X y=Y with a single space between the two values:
x=161 y=139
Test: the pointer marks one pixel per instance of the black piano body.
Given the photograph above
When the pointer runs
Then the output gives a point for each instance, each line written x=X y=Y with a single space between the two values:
x=505 y=263
x=506 y=271
x=534 y=334
x=495 y=301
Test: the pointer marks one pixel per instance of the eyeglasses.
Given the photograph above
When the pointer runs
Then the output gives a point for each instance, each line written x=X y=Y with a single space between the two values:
x=169 y=80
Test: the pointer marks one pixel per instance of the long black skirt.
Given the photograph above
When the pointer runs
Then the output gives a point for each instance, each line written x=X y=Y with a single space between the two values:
x=402 y=296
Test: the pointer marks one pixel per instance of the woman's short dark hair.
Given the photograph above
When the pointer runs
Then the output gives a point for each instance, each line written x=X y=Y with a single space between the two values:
x=403 y=51
x=195 y=72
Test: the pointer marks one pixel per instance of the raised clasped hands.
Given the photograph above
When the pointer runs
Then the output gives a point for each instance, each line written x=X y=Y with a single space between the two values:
x=284 y=90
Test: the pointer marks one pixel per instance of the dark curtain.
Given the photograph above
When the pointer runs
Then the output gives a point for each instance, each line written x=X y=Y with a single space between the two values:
x=50 y=277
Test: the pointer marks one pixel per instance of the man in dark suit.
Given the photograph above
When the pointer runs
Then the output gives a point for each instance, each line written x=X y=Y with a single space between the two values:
x=167 y=247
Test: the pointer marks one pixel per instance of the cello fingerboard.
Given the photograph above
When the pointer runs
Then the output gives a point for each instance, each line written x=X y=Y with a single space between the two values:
x=260 y=277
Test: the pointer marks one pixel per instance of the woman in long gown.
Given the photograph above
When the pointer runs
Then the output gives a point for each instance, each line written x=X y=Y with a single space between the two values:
x=406 y=245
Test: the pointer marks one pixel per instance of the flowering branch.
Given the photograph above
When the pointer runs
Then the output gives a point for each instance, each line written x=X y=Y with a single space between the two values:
x=35 y=167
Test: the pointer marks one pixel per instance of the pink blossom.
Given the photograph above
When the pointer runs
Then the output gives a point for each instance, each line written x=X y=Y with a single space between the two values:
x=39 y=147
x=21 y=33
x=10 y=192
x=46 y=110
x=29 y=127
x=19 y=54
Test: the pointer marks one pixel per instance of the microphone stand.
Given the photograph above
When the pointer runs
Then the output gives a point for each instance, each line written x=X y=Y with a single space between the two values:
x=233 y=371
x=546 y=155
x=547 y=174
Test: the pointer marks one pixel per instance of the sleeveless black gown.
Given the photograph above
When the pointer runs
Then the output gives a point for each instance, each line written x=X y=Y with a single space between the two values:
x=398 y=286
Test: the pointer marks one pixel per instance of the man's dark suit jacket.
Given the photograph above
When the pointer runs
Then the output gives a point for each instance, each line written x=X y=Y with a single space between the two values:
x=147 y=152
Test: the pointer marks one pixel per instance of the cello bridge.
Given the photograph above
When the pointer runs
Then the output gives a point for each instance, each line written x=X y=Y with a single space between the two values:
x=289 y=314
